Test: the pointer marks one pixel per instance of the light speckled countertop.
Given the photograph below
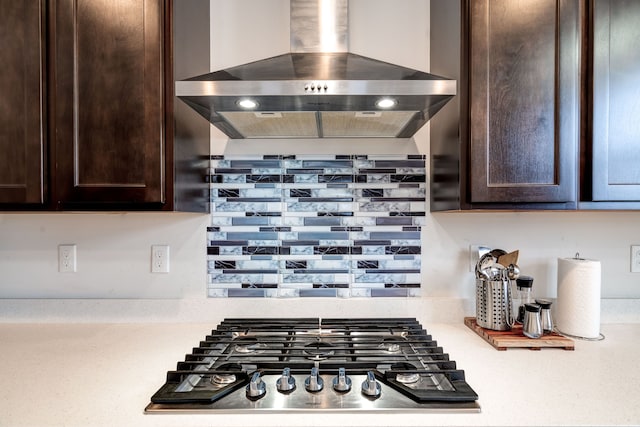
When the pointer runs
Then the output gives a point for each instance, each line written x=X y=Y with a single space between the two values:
x=104 y=374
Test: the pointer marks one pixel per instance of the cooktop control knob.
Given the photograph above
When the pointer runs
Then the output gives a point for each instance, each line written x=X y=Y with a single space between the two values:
x=341 y=382
x=286 y=382
x=371 y=387
x=256 y=388
x=314 y=382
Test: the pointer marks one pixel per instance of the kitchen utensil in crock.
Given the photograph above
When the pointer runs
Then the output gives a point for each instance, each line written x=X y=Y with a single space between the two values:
x=508 y=259
x=513 y=272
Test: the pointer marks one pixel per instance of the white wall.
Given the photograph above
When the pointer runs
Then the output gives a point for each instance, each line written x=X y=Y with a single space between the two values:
x=113 y=255
x=114 y=248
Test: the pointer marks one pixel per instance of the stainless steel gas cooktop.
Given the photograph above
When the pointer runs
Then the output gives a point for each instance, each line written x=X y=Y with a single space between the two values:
x=310 y=364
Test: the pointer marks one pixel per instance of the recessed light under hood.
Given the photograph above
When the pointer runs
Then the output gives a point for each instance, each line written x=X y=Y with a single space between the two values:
x=319 y=89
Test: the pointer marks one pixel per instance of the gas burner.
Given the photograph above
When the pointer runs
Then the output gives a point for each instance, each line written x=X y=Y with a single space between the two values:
x=223 y=379
x=246 y=345
x=406 y=377
x=391 y=344
x=319 y=350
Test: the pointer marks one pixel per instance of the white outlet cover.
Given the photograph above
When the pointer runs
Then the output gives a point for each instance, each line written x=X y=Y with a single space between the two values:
x=635 y=258
x=67 y=262
x=160 y=258
x=475 y=253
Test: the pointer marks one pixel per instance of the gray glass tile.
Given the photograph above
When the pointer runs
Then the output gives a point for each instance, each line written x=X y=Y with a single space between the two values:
x=324 y=236
x=398 y=220
x=394 y=292
x=260 y=250
x=240 y=207
x=402 y=235
x=402 y=250
x=384 y=206
x=299 y=242
x=301 y=250
x=251 y=236
x=373 y=250
x=237 y=164
x=246 y=293
x=331 y=250
x=231 y=171
x=333 y=178
x=237 y=271
x=303 y=171
x=312 y=164
x=399 y=163
x=230 y=250
x=252 y=263
x=326 y=220
x=376 y=178
x=325 y=199
x=294 y=193
x=270 y=192
x=255 y=220
x=407 y=178
x=312 y=207
x=305 y=179
x=228 y=192
x=233 y=179
x=269 y=178
x=323 y=292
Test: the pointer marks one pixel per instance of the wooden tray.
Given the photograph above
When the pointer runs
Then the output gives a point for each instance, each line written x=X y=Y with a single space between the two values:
x=503 y=340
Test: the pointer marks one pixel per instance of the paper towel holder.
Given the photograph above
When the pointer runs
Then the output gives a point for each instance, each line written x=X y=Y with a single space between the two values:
x=600 y=336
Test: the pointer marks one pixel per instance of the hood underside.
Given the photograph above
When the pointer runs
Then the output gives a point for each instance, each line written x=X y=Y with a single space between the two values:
x=306 y=94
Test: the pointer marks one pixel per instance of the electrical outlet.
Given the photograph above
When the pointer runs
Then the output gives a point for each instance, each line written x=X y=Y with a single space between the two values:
x=475 y=252
x=635 y=258
x=159 y=258
x=67 y=259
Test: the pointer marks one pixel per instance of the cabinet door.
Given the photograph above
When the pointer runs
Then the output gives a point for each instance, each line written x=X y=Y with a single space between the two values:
x=22 y=124
x=616 y=100
x=109 y=102
x=524 y=100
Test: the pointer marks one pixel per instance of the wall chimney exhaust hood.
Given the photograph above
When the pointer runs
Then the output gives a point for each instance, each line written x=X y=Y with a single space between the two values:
x=318 y=89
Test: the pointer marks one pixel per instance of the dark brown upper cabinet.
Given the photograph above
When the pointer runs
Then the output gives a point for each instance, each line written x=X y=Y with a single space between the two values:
x=87 y=118
x=615 y=119
x=22 y=103
x=524 y=100
x=108 y=103
x=513 y=138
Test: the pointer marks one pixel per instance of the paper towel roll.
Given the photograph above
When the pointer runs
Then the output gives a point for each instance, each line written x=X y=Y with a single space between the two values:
x=578 y=304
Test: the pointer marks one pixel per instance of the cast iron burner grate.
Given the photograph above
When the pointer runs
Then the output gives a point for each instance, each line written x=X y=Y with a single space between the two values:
x=353 y=364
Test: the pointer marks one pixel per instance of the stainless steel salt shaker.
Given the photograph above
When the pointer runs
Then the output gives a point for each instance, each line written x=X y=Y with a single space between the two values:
x=532 y=326
x=545 y=315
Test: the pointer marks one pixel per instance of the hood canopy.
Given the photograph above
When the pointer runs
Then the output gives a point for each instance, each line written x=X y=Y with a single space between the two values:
x=310 y=94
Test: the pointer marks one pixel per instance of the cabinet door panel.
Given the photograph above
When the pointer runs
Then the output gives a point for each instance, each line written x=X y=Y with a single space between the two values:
x=109 y=101
x=22 y=123
x=616 y=101
x=524 y=93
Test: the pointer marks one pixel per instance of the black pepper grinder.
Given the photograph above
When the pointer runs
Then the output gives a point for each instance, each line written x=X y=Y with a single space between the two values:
x=524 y=284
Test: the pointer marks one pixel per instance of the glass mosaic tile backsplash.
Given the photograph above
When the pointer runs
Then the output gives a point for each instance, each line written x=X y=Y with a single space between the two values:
x=316 y=225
